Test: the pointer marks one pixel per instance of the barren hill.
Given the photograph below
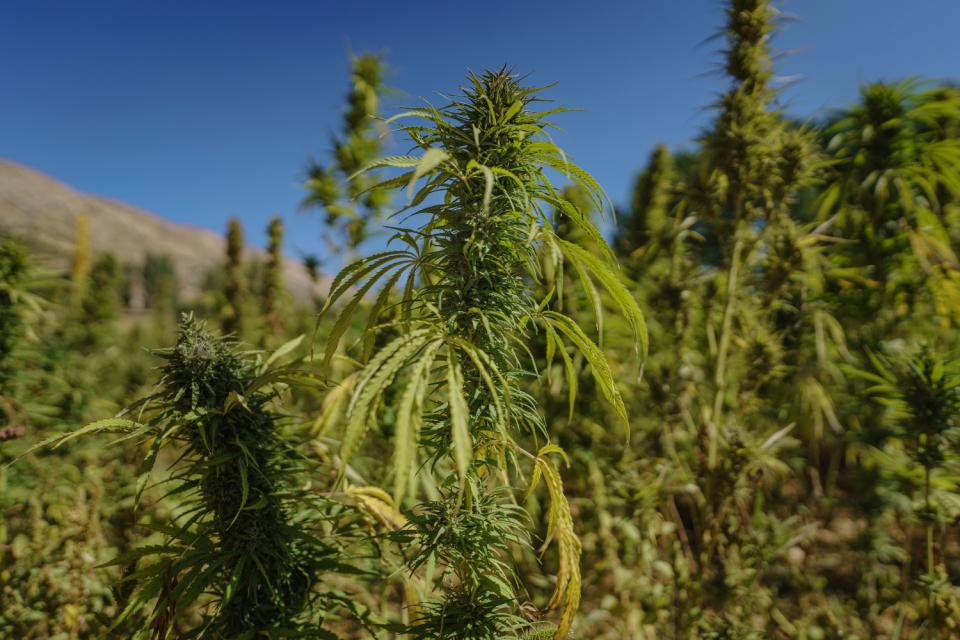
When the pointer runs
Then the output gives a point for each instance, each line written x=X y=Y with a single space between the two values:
x=43 y=211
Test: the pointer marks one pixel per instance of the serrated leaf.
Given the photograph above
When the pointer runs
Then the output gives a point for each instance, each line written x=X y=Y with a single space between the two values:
x=430 y=160
x=459 y=419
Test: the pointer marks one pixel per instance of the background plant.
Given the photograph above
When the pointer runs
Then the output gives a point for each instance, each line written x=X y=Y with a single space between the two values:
x=351 y=205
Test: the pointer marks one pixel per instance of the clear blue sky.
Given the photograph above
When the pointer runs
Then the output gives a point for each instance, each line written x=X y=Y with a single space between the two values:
x=198 y=110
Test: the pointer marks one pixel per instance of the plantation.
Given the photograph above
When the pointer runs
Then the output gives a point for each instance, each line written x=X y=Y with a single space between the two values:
x=728 y=409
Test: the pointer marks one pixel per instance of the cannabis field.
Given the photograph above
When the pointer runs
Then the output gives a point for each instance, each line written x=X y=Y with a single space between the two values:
x=727 y=409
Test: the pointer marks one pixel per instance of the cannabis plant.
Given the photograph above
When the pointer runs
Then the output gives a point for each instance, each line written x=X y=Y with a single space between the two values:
x=712 y=242
x=754 y=164
x=651 y=203
x=352 y=206
x=13 y=273
x=273 y=291
x=160 y=293
x=892 y=182
x=55 y=526
x=231 y=318
x=246 y=545
x=102 y=302
x=80 y=267
x=922 y=394
x=481 y=195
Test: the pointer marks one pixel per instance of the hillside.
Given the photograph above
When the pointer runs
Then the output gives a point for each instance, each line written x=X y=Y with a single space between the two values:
x=43 y=210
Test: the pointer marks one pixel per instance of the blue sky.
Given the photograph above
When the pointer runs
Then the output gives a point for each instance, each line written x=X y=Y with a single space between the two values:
x=201 y=110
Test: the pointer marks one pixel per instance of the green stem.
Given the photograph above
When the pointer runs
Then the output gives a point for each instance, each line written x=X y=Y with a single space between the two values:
x=726 y=335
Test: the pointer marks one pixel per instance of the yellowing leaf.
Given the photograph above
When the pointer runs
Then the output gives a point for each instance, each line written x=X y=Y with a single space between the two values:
x=567 y=593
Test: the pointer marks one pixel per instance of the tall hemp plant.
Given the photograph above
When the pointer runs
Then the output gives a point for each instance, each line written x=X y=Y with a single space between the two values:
x=753 y=163
x=248 y=541
x=80 y=265
x=273 y=289
x=231 y=316
x=889 y=196
x=636 y=550
x=351 y=205
x=13 y=276
x=17 y=306
x=455 y=371
x=656 y=242
x=922 y=397
x=894 y=176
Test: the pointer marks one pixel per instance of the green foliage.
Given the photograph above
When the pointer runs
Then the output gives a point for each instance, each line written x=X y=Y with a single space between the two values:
x=473 y=542
x=56 y=525
x=471 y=451
x=236 y=540
x=351 y=205
x=272 y=294
x=894 y=177
x=160 y=283
x=922 y=394
x=464 y=311
x=13 y=271
x=651 y=200
x=80 y=270
x=747 y=395
x=56 y=531
x=231 y=317
x=103 y=300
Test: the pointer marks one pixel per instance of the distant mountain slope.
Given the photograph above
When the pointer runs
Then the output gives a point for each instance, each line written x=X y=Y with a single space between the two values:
x=43 y=210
